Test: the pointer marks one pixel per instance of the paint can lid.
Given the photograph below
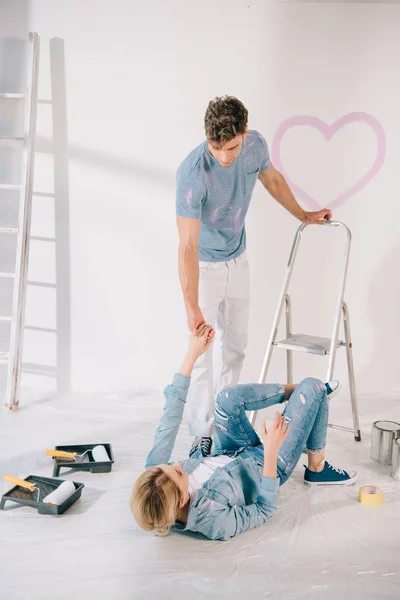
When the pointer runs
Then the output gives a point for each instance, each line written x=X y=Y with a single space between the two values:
x=387 y=425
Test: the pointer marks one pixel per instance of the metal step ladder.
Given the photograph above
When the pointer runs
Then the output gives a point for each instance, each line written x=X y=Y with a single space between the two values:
x=26 y=144
x=312 y=344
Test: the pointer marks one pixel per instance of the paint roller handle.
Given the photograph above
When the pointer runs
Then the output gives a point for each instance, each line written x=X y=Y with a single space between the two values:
x=60 y=454
x=20 y=482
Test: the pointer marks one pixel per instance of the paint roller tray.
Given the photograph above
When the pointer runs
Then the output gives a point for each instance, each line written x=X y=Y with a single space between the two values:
x=45 y=485
x=85 y=463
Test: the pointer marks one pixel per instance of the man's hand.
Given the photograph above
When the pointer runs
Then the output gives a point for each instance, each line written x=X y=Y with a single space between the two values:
x=318 y=216
x=273 y=439
x=194 y=319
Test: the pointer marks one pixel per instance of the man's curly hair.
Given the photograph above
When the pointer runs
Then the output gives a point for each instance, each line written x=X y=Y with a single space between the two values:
x=225 y=118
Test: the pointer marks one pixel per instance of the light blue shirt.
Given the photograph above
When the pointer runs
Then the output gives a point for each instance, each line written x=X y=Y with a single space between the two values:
x=220 y=196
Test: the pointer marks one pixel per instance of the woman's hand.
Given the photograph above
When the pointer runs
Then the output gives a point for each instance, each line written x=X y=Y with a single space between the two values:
x=200 y=341
x=198 y=344
x=274 y=438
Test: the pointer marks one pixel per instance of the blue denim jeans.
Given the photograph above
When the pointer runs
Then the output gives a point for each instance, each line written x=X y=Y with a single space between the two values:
x=306 y=411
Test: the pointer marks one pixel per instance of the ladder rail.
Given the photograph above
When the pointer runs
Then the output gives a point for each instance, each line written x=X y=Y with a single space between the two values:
x=25 y=211
x=339 y=302
x=289 y=353
x=350 y=368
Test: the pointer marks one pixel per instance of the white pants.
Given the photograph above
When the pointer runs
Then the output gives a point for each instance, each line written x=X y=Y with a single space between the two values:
x=224 y=302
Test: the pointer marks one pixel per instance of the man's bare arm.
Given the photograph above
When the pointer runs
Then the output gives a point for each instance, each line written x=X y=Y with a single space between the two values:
x=276 y=185
x=188 y=264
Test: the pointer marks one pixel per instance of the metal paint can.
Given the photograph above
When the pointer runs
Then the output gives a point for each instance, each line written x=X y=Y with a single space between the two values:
x=395 y=472
x=383 y=435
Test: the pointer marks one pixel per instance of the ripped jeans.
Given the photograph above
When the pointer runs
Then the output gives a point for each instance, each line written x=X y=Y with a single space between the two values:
x=306 y=411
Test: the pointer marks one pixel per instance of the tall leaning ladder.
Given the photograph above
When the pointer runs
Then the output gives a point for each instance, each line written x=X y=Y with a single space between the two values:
x=13 y=358
x=311 y=344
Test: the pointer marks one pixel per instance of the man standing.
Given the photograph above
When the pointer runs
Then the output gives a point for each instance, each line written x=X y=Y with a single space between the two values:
x=215 y=183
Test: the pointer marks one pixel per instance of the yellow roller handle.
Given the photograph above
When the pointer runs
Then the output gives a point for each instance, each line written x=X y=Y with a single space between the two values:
x=20 y=482
x=60 y=454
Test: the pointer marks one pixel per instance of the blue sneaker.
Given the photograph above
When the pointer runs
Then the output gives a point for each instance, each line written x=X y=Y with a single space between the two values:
x=332 y=388
x=329 y=476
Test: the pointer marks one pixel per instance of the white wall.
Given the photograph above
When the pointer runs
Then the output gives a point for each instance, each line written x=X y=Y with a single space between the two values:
x=138 y=79
x=13 y=17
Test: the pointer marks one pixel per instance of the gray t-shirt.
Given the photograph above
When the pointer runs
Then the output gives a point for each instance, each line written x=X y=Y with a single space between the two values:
x=220 y=196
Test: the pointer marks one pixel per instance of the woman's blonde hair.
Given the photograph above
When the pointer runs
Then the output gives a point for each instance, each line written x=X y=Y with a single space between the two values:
x=155 y=501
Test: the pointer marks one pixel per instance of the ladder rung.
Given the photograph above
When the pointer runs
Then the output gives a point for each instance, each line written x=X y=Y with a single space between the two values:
x=41 y=329
x=42 y=284
x=43 y=194
x=12 y=96
x=7 y=275
x=307 y=343
x=4 y=357
x=32 y=368
x=11 y=141
x=9 y=186
x=39 y=238
x=8 y=230
x=8 y=319
x=36 y=369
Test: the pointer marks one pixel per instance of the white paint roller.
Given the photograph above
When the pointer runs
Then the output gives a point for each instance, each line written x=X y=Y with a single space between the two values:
x=100 y=454
x=60 y=494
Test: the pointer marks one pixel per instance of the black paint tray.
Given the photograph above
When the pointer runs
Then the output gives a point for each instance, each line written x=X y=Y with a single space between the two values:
x=84 y=464
x=44 y=485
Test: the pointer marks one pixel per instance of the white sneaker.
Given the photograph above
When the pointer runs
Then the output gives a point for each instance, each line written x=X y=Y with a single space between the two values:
x=332 y=388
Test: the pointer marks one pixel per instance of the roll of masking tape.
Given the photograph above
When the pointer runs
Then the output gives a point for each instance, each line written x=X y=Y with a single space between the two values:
x=370 y=495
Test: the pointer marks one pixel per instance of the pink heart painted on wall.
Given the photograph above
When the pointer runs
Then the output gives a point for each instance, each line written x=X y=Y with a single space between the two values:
x=328 y=131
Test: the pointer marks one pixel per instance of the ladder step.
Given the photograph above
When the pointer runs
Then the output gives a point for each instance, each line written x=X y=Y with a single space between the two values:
x=35 y=369
x=32 y=368
x=44 y=194
x=8 y=319
x=3 y=357
x=8 y=230
x=307 y=343
x=39 y=238
x=9 y=186
x=7 y=275
x=42 y=284
x=41 y=329
x=11 y=141
x=12 y=96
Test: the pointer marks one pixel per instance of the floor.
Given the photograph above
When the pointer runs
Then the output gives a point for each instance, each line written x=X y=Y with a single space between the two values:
x=322 y=543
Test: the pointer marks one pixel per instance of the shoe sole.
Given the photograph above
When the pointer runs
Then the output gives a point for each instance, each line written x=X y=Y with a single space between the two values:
x=344 y=483
x=335 y=392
